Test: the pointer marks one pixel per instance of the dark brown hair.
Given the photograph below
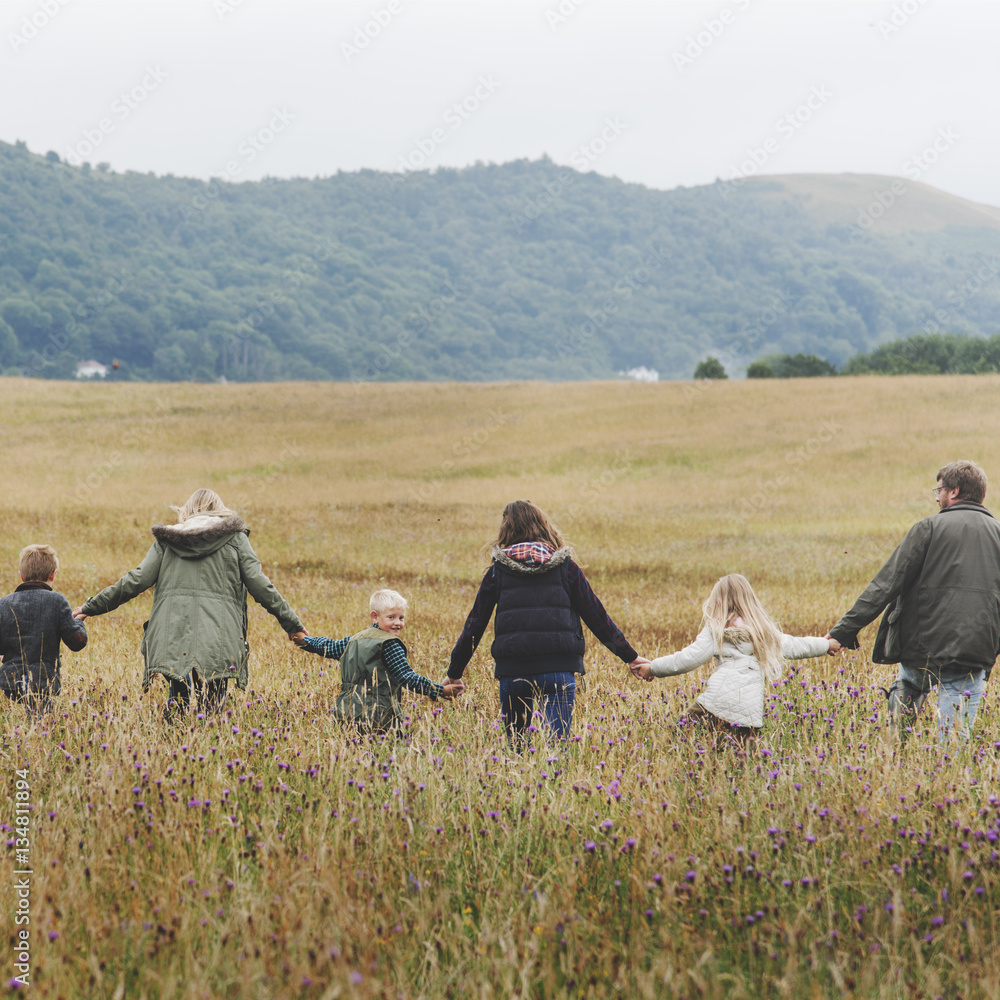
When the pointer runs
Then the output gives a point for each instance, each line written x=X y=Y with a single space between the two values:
x=967 y=477
x=522 y=521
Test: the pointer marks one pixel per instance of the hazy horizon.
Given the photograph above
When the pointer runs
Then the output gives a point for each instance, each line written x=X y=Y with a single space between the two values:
x=659 y=94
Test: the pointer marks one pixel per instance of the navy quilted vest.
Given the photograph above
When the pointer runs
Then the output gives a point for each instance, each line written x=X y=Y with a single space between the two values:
x=536 y=629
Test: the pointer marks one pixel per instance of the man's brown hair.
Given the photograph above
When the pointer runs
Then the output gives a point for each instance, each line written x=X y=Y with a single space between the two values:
x=38 y=563
x=967 y=477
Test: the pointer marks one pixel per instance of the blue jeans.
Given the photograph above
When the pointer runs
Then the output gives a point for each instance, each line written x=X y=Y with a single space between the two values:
x=556 y=692
x=959 y=696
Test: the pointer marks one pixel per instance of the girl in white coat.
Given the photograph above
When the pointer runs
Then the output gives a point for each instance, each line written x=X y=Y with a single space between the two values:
x=748 y=648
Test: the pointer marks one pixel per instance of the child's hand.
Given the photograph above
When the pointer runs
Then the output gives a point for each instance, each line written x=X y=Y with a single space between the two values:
x=835 y=647
x=453 y=688
x=299 y=638
x=641 y=669
x=78 y=613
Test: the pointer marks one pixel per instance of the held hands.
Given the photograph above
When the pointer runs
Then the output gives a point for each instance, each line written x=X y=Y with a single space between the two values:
x=452 y=687
x=78 y=613
x=641 y=669
x=835 y=647
x=299 y=638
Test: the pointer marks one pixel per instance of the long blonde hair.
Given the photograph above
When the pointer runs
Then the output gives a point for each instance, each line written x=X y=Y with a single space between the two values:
x=202 y=501
x=733 y=597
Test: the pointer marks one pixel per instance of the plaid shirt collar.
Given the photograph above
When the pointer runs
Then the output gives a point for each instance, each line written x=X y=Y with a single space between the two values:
x=530 y=553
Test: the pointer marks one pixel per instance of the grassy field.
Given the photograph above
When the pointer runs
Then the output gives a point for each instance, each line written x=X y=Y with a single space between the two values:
x=265 y=854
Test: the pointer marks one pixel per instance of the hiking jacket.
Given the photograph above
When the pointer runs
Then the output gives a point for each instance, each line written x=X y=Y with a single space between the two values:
x=33 y=621
x=940 y=590
x=735 y=692
x=202 y=569
x=540 y=596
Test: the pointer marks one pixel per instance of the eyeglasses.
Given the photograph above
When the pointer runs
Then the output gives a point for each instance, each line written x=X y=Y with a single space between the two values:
x=937 y=489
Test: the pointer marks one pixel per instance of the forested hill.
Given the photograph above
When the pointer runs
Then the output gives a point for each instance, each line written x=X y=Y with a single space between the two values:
x=520 y=270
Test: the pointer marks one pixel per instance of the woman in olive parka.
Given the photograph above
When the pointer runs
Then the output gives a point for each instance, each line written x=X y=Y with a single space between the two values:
x=202 y=567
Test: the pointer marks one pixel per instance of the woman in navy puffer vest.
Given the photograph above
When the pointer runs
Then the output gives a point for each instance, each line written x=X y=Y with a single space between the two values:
x=540 y=596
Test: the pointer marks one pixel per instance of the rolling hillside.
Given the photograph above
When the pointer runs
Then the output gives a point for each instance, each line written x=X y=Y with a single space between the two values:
x=519 y=270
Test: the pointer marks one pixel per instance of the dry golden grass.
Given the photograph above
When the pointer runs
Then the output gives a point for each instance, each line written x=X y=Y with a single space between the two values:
x=315 y=865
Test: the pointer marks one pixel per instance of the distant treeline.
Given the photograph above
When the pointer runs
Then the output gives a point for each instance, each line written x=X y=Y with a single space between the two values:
x=921 y=354
x=518 y=270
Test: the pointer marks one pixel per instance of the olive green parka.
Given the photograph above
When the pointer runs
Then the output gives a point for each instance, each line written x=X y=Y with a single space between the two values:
x=202 y=570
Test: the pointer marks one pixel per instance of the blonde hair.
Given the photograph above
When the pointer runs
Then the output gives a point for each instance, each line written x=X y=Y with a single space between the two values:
x=386 y=600
x=522 y=521
x=202 y=501
x=38 y=563
x=733 y=597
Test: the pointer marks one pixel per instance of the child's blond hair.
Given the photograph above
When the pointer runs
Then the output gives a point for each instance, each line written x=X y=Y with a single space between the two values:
x=733 y=597
x=37 y=563
x=386 y=600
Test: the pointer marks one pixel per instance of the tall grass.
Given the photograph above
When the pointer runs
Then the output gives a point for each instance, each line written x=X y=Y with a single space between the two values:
x=267 y=853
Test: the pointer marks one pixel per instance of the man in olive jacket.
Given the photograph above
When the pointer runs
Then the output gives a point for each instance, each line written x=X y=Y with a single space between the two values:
x=941 y=593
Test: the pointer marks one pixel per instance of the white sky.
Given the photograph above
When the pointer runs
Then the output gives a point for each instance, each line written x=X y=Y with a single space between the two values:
x=223 y=68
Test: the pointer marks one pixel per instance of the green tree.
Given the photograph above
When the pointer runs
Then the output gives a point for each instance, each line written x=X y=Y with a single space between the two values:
x=710 y=368
x=803 y=366
x=760 y=369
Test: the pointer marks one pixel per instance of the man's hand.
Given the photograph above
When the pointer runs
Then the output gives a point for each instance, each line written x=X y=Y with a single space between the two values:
x=299 y=638
x=78 y=613
x=835 y=647
x=641 y=669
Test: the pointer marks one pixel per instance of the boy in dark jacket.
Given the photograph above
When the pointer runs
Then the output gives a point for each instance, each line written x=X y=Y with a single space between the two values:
x=33 y=621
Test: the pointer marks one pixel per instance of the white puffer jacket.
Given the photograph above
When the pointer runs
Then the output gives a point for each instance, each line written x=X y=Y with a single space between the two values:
x=735 y=692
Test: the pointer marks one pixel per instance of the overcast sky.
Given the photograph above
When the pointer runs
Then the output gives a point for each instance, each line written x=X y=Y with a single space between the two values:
x=658 y=93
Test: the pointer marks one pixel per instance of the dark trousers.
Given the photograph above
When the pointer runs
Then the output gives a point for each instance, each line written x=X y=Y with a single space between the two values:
x=211 y=695
x=37 y=703
x=555 y=693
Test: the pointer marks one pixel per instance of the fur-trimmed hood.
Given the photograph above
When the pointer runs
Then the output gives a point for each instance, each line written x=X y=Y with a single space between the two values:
x=529 y=568
x=199 y=535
